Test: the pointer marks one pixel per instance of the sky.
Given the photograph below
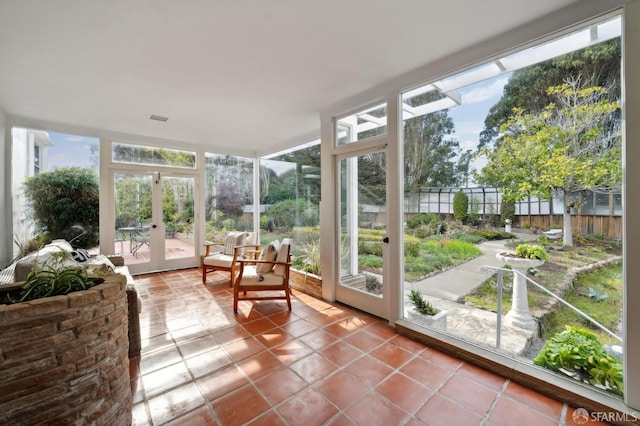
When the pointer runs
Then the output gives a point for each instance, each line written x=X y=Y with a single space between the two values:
x=71 y=151
x=477 y=100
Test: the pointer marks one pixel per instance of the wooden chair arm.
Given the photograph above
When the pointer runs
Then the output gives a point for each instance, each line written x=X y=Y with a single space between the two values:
x=255 y=251
x=208 y=246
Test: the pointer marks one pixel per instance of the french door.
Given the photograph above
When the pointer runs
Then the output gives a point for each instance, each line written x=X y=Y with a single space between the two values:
x=154 y=220
x=362 y=241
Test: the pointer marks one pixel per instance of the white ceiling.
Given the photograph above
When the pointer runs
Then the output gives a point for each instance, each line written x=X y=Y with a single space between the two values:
x=238 y=76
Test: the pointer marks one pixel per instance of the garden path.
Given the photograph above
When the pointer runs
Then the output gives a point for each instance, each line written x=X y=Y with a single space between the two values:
x=446 y=290
x=462 y=279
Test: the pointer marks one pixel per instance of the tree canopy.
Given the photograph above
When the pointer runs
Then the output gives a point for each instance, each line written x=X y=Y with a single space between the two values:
x=598 y=65
x=432 y=155
x=567 y=147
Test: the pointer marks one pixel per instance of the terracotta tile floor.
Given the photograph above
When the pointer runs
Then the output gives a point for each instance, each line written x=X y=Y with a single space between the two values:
x=321 y=364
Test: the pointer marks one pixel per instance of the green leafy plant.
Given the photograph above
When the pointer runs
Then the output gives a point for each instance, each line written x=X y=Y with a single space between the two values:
x=596 y=293
x=53 y=282
x=530 y=251
x=421 y=305
x=460 y=206
x=490 y=234
x=421 y=219
x=309 y=258
x=577 y=351
x=64 y=199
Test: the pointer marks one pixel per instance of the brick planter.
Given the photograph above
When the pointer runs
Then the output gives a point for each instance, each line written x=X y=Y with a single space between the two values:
x=306 y=282
x=63 y=359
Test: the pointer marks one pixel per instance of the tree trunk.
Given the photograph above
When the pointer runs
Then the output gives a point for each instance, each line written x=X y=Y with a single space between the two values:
x=567 y=232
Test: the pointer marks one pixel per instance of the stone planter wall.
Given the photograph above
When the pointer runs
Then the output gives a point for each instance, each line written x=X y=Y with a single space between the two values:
x=308 y=283
x=63 y=359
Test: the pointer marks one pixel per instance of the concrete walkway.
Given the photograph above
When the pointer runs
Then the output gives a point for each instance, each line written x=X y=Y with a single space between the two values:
x=462 y=279
x=447 y=290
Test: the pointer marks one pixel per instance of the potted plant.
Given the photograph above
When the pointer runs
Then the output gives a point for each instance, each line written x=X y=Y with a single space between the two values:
x=424 y=313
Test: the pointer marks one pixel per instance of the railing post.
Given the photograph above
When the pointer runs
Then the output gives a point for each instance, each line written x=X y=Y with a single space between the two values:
x=499 y=308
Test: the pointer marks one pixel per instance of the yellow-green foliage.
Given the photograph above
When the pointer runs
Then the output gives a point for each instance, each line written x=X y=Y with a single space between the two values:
x=411 y=245
x=303 y=235
x=370 y=242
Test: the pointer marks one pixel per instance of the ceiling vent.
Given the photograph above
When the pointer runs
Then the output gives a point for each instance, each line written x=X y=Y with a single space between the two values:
x=158 y=118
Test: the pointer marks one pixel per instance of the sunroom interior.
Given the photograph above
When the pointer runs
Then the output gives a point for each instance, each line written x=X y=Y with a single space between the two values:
x=252 y=89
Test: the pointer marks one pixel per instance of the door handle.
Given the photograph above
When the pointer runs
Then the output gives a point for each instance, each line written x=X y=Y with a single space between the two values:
x=385 y=240
x=154 y=226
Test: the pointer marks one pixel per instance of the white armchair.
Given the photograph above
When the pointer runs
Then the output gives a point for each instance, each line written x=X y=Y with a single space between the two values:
x=266 y=274
x=226 y=257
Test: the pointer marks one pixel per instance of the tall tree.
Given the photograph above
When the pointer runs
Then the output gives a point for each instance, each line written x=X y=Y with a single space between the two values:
x=301 y=181
x=569 y=146
x=598 y=65
x=431 y=153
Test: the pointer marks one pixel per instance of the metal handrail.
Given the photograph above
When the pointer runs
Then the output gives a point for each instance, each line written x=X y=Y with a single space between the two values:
x=500 y=273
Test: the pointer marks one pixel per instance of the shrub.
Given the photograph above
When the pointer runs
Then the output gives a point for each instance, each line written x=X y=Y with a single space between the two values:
x=65 y=203
x=289 y=213
x=460 y=206
x=411 y=245
x=304 y=235
x=507 y=211
x=530 y=251
x=372 y=284
x=424 y=230
x=577 y=350
x=370 y=247
x=489 y=234
x=421 y=219
x=469 y=237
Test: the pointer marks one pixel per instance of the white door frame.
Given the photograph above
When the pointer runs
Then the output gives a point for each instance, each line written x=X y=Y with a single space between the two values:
x=389 y=306
x=107 y=215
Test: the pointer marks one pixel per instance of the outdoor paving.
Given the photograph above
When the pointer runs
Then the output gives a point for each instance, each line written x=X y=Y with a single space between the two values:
x=446 y=290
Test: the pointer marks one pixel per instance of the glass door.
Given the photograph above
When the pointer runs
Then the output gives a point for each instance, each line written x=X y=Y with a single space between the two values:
x=363 y=236
x=154 y=217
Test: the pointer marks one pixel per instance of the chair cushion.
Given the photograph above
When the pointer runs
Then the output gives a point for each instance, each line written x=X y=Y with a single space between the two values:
x=270 y=252
x=252 y=239
x=250 y=277
x=283 y=256
x=218 y=259
x=233 y=239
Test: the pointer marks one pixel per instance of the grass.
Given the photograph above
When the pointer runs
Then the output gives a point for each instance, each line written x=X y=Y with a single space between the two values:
x=550 y=275
x=436 y=254
x=608 y=282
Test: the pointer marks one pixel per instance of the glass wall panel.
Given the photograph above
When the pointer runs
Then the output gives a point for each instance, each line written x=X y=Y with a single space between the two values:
x=290 y=200
x=499 y=132
x=362 y=222
x=55 y=188
x=138 y=154
x=228 y=195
